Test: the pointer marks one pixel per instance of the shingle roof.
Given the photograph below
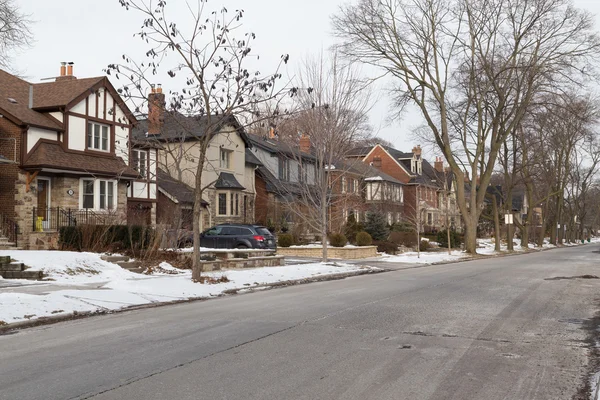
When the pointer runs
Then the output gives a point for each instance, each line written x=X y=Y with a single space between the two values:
x=50 y=154
x=274 y=146
x=181 y=192
x=176 y=126
x=227 y=181
x=62 y=92
x=14 y=101
x=251 y=158
x=365 y=171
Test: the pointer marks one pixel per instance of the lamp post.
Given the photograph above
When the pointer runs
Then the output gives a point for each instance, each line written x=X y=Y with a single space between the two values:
x=508 y=220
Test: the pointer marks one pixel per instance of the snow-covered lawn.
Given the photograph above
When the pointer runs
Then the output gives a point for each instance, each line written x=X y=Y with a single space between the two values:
x=83 y=282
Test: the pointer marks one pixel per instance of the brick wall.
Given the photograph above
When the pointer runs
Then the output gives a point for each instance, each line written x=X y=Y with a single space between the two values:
x=388 y=165
x=9 y=172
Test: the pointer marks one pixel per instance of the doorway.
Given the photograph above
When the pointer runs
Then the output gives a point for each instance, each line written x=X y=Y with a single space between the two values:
x=43 y=202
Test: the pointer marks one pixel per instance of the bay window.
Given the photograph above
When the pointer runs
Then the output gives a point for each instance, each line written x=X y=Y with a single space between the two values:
x=228 y=204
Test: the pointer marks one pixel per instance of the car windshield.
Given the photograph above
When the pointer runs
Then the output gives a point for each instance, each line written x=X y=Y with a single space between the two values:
x=263 y=231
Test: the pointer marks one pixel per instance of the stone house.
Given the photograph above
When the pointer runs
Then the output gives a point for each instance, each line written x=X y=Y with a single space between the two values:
x=73 y=159
x=228 y=178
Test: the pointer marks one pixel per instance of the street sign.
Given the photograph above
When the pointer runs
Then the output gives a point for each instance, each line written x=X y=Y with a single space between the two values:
x=508 y=219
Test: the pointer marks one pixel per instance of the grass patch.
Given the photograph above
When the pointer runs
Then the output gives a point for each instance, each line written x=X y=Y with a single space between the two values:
x=212 y=280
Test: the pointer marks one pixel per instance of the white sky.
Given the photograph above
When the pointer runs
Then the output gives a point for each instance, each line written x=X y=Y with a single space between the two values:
x=95 y=33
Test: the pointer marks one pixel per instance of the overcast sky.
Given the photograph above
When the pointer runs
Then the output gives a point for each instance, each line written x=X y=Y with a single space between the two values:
x=95 y=33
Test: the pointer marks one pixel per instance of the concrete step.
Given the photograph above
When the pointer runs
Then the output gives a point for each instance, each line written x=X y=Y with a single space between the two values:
x=27 y=274
x=129 y=264
x=12 y=267
x=136 y=270
x=115 y=259
x=5 y=260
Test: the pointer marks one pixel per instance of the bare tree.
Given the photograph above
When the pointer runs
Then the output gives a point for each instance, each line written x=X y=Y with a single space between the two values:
x=15 y=31
x=333 y=116
x=472 y=68
x=216 y=83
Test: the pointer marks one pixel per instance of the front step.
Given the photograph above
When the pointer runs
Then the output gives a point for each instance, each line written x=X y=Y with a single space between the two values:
x=10 y=270
x=123 y=262
x=115 y=259
x=12 y=267
x=130 y=264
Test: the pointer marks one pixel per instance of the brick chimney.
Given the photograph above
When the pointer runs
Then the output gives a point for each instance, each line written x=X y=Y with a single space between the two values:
x=66 y=72
x=439 y=164
x=156 y=108
x=304 y=143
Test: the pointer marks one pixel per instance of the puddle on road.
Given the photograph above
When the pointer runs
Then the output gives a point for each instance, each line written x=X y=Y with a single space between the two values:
x=560 y=278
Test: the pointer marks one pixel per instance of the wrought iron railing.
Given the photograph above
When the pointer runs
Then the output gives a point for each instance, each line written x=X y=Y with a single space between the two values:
x=52 y=219
x=9 y=228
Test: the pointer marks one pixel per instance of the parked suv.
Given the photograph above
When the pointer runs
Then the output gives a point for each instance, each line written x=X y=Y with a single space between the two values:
x=240 y=236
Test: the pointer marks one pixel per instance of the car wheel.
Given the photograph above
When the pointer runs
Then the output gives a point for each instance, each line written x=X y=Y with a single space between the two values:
x=241 y=246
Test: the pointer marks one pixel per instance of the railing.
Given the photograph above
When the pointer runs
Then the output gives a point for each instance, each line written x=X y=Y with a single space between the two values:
x=9 y=228
x=52 y=219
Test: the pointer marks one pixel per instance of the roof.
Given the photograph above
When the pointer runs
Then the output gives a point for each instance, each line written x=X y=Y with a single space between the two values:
x=227 y=181
x=274 y=146
x=178 y=190
x=57 y=94
x=177 y=126
x=366 y=171
x=251 y=158
x=14 y=102
x=50 y=154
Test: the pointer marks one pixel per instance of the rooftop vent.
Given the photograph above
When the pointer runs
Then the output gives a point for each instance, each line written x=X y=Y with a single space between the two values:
x=11 y=100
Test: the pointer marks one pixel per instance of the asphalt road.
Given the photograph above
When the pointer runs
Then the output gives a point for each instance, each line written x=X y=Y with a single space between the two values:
x=487 y=329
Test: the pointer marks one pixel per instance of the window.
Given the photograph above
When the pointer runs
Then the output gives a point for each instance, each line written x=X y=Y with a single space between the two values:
x=226 y=158
x=344 y=184
x=97 y=136
x=429 y=219
x=373 y=191
x=88 y=194
x=351 y=185
x=98 y=194
x=228 y=203
x=140 y=161
x=222 y=203
x=284 y=169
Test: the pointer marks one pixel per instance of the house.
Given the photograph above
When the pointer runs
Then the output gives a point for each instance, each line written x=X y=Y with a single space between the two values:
x=229 y=193
x=284 y=173
x=359 y=188
x=74 y=163
x=423 y=185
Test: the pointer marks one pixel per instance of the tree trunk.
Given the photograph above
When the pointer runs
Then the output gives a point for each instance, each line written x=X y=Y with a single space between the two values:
x=324 y=222
x=471 y=221
x=196 y=267
x=496 y=224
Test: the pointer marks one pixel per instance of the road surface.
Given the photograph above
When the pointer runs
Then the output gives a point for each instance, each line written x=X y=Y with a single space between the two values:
x=486 y=329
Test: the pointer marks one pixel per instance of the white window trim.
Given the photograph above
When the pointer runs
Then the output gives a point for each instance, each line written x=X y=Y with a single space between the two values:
x=108 y=144
x=146 y=159
x=97 y=194
x=229 y=158
x=229 y=198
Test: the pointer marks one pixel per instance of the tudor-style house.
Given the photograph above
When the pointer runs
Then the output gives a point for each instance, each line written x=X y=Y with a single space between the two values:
x=73 y=159
x=229 y=193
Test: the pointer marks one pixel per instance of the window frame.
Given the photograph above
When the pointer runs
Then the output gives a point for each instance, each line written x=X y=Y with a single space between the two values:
x=104 y=194
x=225 y=160
x=91 y=137
x=232 y=203
x=142 y=169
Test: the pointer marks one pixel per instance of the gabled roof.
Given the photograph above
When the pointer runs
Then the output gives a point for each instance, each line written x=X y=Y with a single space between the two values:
x=177 y=127
x=50 y=95
x=227 y=181
x=50 y=154
x=364 y=170
x=274 y=146
x=178 y=190
x=251 y=158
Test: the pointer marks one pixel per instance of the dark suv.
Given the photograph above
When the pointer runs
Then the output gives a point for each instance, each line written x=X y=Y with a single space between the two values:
x=238 y=236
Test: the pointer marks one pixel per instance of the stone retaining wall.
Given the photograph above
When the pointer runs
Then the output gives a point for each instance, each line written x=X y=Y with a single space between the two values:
x=237 y=263
x=344 y=253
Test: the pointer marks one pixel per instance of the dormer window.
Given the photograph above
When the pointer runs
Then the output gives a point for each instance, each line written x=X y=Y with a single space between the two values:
x=97 y=136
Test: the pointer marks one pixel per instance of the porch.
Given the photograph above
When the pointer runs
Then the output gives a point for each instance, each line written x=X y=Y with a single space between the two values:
x=51 y=219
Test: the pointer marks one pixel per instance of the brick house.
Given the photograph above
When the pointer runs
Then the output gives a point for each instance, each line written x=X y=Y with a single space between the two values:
x=73 y=160
x=229 y=195
x=423 y=185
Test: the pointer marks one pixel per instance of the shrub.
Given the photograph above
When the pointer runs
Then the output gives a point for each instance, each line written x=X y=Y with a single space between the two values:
x=376 y=226
x=363 y=239
x=285 y=240
x=424 y=245
x=402 y=227
x=338 y=240
x=406 y=239
x=384 y=246
x=455 y=238
x=106 y=237
x=352 y=228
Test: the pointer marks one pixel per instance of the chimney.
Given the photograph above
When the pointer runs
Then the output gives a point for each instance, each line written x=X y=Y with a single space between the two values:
x=439 y=164
x=271 y=133
x=304 y=143
x=66 y=72
x=156 y=108
x=417 y=150
x=376 y=162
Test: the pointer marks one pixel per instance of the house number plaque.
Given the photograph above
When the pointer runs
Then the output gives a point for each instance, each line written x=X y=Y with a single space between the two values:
x=70 y=192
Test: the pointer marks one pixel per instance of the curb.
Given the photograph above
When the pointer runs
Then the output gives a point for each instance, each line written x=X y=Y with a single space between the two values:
x=14 y=327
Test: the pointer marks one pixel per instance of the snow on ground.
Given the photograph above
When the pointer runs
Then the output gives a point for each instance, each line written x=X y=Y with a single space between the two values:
x=84 y=282
x=426 y=257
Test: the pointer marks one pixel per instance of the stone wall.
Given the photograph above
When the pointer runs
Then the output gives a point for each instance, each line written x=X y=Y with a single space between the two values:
x=237 y=263
x=344 y=253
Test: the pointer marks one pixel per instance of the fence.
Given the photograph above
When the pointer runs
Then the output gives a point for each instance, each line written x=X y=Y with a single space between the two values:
x=52 y=219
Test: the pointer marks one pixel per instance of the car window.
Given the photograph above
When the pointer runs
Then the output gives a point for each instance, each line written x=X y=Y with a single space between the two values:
x=213 y=231
x=263 y=231
x=245 y=231
x=229 y=231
